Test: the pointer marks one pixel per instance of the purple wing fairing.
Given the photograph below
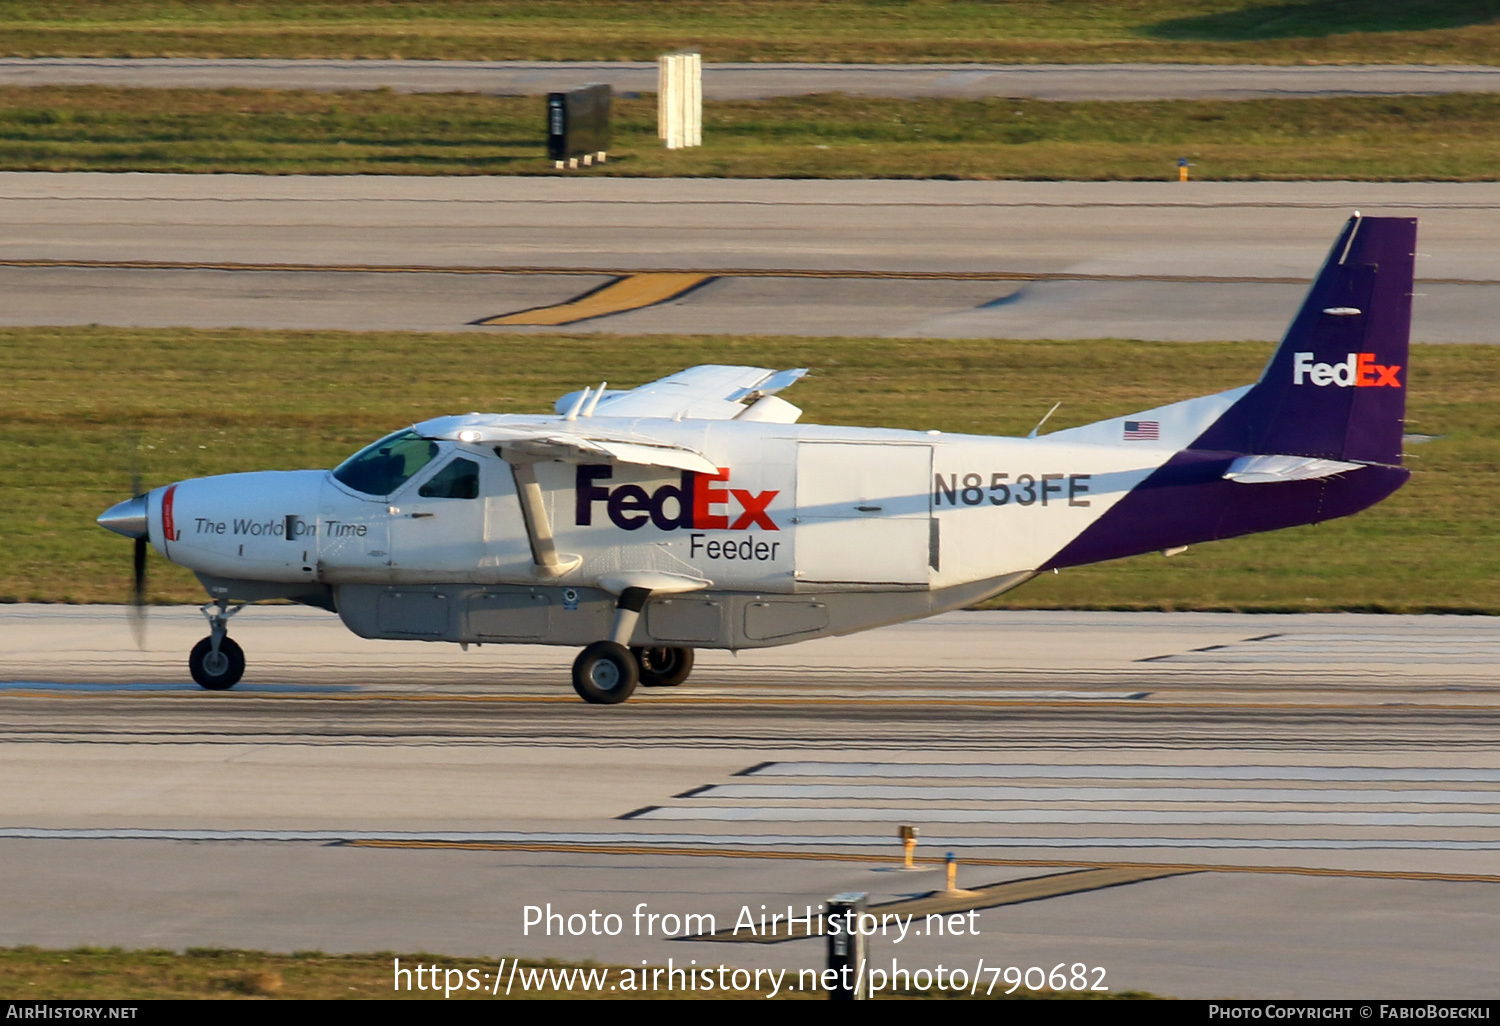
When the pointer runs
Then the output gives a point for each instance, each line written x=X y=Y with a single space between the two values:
x=1334 y=389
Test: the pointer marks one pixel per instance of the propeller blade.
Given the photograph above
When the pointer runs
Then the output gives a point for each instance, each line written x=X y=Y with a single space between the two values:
x=135 y=465
x=138 y=581
x=138 y=596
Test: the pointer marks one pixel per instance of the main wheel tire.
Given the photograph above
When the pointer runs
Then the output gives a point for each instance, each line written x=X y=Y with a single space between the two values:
x=217 y=673
x=663 y=667
x=605 y=673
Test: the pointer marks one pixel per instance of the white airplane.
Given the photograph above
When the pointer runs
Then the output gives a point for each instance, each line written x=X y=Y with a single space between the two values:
x=695 y=512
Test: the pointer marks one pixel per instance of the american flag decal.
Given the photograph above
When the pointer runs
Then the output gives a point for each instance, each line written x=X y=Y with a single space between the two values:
x=1142 y=430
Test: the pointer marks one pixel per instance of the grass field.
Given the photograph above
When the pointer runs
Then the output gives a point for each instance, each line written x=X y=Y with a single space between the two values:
x=77 y=400
x=29 y=973
x=269 y=132
x=1257 y=31
x=112 y=974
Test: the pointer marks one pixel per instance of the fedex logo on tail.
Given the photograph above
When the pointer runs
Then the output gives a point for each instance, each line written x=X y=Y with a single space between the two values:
x=1358 y=371
x=694 y=503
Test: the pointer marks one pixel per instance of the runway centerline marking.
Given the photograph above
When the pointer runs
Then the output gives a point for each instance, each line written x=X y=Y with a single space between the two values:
x=630 y=292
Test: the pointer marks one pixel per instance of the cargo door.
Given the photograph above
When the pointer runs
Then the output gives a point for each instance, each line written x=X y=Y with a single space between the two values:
x=864 y=513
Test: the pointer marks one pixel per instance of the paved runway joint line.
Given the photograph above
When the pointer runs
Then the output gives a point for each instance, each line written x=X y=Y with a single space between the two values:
x=937 y=903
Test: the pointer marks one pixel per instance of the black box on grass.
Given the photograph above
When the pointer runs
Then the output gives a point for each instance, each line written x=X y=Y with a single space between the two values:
x=578 y=125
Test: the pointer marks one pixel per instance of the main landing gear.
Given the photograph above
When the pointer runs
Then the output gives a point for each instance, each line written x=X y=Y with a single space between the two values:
x=663 y=667
x=606 y=672
x=217 y=662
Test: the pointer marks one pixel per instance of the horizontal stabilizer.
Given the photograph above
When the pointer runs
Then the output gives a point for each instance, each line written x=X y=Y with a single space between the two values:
x=1275 y=469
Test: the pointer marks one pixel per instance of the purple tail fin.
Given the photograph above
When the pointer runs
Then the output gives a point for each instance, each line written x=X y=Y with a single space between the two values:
x=1336 y=386
x=1335 y=389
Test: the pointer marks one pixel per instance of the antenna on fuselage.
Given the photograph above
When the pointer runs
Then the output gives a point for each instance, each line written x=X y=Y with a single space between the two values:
x=1044 y=419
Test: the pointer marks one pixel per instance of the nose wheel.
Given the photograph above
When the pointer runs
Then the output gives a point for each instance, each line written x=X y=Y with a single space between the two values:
x=217 y=670
x=217 y=662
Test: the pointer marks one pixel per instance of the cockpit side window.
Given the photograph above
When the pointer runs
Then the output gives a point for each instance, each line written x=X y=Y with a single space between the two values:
x=458 y=480
x=381 y=468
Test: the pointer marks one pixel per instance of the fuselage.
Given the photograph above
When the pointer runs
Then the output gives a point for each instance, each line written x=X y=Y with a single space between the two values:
x=794 y=508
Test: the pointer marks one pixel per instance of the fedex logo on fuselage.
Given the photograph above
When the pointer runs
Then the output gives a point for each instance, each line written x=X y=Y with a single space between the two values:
x=1359 y=371
x=693 y=502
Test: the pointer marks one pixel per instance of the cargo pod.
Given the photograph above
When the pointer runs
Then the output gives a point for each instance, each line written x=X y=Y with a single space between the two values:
x=863 y=513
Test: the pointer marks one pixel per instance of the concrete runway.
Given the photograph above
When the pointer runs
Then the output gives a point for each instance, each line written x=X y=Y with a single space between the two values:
x=723 y=81
x=925 y=259
x=1325 y=788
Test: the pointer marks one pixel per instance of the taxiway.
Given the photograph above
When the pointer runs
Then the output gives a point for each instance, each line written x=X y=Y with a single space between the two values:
x=921 y=259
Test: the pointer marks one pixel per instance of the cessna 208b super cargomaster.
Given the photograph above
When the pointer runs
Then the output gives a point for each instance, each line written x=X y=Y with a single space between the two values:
x=694 y=512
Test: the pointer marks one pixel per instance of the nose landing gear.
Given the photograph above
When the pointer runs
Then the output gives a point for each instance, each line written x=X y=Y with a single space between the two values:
x=217 y=662
x=217 y=670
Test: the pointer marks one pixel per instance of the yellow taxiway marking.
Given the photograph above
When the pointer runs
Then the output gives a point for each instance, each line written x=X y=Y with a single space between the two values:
x=632 y=292
x=726 y=272
x=1157 y=868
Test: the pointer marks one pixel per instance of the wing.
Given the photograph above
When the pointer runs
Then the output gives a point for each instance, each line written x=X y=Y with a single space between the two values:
x=544 y=442
x=707 y=392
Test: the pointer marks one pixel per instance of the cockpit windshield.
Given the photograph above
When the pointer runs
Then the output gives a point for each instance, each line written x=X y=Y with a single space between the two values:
x=381 y=468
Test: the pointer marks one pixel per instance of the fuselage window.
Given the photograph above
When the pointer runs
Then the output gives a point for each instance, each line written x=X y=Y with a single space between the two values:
x=458 y=480
x=381 y=468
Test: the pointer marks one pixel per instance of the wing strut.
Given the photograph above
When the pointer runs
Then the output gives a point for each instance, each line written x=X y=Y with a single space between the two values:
x=544 y=555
